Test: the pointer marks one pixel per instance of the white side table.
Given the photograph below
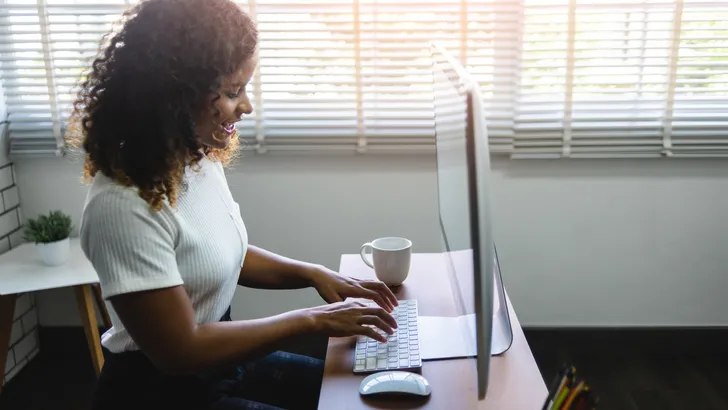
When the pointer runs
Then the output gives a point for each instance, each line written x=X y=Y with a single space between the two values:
x=22 y=271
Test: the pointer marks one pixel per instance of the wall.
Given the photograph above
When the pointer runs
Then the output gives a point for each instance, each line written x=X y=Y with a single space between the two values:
x=582 y=243
x=24 y=334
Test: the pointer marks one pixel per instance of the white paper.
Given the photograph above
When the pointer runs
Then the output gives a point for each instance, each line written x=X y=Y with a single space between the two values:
x=446 y=337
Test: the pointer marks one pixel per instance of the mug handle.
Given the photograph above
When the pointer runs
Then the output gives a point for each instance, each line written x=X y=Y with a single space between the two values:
x=367 y=257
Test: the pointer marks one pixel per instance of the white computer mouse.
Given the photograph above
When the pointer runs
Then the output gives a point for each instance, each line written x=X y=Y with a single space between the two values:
x=395 y=383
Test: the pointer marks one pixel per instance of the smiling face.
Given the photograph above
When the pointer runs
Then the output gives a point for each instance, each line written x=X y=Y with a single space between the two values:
x=216 y=125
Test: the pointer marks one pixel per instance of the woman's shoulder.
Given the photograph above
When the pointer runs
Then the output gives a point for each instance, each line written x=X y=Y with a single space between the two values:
x=106 y=195
x=108 y=202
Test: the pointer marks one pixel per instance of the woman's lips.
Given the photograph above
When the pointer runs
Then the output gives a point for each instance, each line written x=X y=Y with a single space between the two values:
x=229 y=128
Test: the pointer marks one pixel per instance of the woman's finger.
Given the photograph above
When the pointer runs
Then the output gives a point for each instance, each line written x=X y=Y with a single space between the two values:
x=382 y=289
x=358 y=303
x=376 y=321
x=368 y=331
x=382 y=314
x=365 y=293
x=379 y=299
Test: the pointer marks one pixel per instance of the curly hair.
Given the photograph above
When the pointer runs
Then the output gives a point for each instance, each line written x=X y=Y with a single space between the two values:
x=134 y=113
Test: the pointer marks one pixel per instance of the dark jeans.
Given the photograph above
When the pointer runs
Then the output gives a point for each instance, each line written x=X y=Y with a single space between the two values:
x=278 y=381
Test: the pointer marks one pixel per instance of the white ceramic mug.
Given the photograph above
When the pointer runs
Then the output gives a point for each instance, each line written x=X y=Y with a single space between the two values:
x=390 y=259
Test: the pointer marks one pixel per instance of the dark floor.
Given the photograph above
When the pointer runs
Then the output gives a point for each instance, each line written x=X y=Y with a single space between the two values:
x=629 y=370
x=641 y=369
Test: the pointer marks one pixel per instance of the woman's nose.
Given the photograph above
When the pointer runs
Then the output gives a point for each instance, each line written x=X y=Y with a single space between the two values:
x=245 y=108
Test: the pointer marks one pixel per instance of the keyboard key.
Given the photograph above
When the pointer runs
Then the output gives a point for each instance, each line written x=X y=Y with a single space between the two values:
x=404 y=363
x=371 y=363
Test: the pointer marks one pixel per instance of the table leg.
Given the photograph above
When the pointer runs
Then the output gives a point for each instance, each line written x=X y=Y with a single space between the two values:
x=7 y=309
x=84 y=300
x=100 y=303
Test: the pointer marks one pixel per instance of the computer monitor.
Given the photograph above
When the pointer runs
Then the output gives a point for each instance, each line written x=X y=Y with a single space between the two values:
x=463 y=181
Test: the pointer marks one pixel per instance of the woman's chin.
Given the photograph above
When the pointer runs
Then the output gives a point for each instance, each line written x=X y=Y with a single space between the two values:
x=218 y=141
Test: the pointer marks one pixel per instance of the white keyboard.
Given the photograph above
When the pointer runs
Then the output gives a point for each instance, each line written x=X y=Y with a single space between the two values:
x=402 y=350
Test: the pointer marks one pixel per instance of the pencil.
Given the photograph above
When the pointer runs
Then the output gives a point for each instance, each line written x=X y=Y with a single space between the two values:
x=556 y=386
x=572 y=395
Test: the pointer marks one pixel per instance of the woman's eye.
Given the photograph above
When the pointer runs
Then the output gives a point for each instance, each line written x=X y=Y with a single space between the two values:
x=233 y=95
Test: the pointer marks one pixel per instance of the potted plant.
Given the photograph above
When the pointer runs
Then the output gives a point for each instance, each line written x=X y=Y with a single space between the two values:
x=51 y=234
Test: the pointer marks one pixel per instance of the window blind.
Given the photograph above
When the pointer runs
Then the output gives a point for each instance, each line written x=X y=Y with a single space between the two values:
x=45 y=46
x=356 y=75
x=697 y=115
x=561 y=78
x=333 y=74
x=630 y=78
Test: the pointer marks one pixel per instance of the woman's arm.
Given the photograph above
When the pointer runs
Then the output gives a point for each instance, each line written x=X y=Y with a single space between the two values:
x=162 y=323
x=266 y=270
x=133 y=251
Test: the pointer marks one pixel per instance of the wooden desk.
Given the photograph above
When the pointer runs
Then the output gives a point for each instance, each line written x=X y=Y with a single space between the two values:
x=515 y=382
x=21 y=271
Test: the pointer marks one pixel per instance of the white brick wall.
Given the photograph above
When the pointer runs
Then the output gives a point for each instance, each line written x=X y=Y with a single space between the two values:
x=9 y=221
x=11 y=198
x=17 y=332
x=24 y=336
x=6 y=176
x=22 y=305
x=16 y=238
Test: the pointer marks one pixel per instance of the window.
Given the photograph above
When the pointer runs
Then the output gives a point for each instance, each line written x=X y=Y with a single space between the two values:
x=561 y=78
x=634 y=78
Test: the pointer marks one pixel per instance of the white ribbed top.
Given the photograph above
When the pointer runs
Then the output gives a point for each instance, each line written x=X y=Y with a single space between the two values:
x=200 y=244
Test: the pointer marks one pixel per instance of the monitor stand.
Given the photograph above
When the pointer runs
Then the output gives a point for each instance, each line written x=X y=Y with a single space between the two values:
x=454 y=337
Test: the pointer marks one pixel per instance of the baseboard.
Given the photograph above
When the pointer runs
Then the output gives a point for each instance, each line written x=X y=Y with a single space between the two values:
x=647 y=339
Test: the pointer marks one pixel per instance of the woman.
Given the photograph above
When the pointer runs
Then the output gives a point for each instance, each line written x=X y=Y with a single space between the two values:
x=156 y=117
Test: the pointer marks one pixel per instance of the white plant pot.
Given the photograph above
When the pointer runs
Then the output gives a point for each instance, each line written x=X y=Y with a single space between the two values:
x=54 y=253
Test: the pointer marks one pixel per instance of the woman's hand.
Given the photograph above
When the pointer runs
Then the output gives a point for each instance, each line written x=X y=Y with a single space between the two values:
x=352 y=318
x=334 y=287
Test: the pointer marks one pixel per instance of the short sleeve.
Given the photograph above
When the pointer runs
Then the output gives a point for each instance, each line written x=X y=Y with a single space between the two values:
x=131 y=247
